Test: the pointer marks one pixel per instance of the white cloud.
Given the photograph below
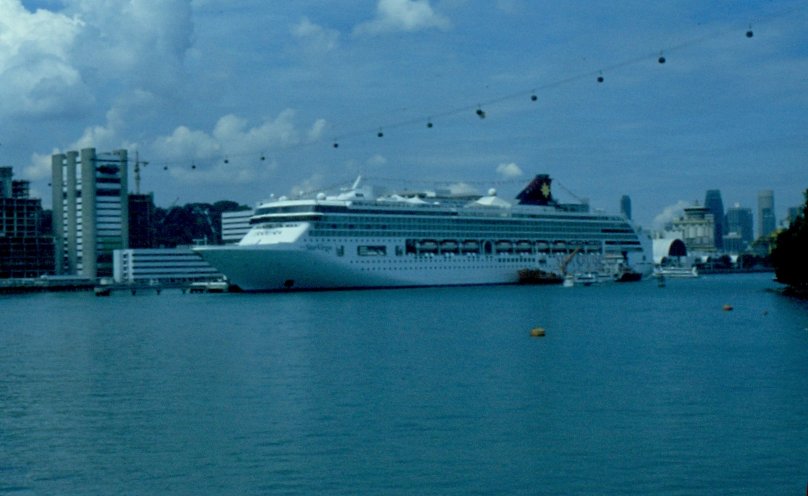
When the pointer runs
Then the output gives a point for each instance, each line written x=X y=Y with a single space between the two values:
x=185 y=143
x=313 y=183
x=510 y=6
x=39 y=168
x=462 y=189
x=669 y=214
x=101 y=137
x=376 y=161
x=230 y=152
x=36 y=73
x=402 y=15
x=141 y=42
x=314 y=38
x=509 y=171
x=316 y=130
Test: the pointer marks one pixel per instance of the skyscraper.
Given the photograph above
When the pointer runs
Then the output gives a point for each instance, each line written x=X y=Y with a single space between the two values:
x=767 y=221
x=712 y=200
x=739 y=231
x=90 y=210
x=625 y=206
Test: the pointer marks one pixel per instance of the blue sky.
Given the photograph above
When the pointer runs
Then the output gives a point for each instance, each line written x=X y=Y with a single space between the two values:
x=220 y=84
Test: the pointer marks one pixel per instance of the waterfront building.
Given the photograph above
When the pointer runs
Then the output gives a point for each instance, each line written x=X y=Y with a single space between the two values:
x=161 y=266
x=625 y=206
x=26 y=250
x=713 y=202
x=90 y=211
x=739 y=221
x=141 y=220
x=767 y=222
x=669 y=250
x=697 y=227
x=235 y=225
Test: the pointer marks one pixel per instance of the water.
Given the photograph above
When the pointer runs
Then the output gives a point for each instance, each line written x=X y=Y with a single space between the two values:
x=635 y=390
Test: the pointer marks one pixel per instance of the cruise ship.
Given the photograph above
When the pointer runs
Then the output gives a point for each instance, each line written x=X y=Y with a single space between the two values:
x=358 y=239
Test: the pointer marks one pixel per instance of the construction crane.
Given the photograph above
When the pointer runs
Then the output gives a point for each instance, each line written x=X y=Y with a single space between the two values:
x=567 y=260
x=138 y=164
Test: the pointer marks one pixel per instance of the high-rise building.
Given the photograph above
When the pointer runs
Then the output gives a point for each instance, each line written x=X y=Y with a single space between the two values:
x=793 y=213
x=26 y=250
x=739 y=221
x=625 y=206
x=713 y=202
x=90 y=210
x=141 y=220
x=767 y=222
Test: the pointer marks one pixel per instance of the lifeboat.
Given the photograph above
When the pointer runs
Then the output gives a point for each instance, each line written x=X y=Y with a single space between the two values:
x=470 y=246
x=448 y=246
x=503 y=246
x=524 y=247
x=427 y=246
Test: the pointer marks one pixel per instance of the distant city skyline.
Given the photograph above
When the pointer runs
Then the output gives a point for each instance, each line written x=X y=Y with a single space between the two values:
x=239 y=101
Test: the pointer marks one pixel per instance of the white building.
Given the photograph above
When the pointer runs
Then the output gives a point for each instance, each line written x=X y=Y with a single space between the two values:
x=161 y=265
x=697 y=226
x=235 y=225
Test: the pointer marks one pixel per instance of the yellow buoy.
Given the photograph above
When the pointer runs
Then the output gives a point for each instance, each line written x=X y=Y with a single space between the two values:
x=537 y=332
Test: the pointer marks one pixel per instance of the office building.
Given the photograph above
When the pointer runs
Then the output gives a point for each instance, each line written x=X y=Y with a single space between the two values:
x=739 y=221
x=625 y=206
x=713 y=202
x=767 y=222
x=90 y=211
x=26 y=250
x=235 y=225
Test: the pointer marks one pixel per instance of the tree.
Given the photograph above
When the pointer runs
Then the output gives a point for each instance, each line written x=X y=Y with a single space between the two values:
x=790 y=253
x=186 y=224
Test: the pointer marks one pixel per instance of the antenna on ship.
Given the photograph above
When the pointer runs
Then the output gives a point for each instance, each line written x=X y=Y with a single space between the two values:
x=356 y=183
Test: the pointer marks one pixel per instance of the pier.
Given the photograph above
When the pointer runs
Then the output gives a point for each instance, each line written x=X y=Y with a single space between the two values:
x=71 y=283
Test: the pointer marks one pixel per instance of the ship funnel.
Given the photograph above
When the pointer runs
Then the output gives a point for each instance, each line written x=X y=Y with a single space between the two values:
x=538 y=192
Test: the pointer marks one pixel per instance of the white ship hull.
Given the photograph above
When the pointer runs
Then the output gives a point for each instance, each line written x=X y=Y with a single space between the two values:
x=278 y=268
x=358 y=241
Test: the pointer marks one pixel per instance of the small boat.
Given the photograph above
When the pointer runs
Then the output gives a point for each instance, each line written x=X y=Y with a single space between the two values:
x=524 y=247
x=677 y=272
x=448 y=246
x=102 y=290
x=538 y=276
x=628 y=275
x=209 y=287
x=585 y=279
x=503 y=247
x=428 y=246
x=470 y=246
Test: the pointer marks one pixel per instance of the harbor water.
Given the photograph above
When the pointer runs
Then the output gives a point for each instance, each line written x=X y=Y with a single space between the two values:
x=634 y=389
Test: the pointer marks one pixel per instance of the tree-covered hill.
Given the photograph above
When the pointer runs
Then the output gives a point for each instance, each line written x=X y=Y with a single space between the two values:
x=187 y=224
x=790 y=254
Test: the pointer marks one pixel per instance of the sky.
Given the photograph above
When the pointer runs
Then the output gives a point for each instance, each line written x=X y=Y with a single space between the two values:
x=240 y=100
